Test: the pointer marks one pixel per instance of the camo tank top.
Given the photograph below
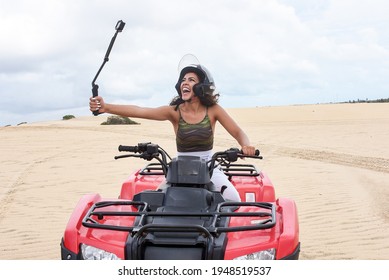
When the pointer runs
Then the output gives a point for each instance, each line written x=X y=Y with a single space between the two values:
x=194 y=137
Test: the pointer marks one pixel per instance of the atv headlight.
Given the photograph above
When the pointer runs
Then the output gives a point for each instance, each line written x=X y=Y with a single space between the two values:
x=93 y=253
x=269 y=254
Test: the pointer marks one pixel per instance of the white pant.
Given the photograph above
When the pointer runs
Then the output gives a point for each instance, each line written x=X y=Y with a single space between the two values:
x=219 y=179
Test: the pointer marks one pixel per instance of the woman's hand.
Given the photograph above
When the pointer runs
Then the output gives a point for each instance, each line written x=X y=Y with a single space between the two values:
x=248 y=150
x=97 y=104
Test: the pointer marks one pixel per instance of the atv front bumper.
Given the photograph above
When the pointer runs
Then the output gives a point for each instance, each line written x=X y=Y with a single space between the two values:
x=69 y=255
x=294 y=255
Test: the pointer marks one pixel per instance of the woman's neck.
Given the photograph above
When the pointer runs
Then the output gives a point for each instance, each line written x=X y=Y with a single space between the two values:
x=193 y=106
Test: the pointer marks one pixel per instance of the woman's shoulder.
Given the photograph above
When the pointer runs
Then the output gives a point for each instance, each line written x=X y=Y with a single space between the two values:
x=172 y=111
x=216 y=112
x=216 y=109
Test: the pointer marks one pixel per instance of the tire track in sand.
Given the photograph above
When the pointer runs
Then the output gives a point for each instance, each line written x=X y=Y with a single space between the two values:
x=12 y=189
x=360 y=234
x=9 y=196
x=371 y=163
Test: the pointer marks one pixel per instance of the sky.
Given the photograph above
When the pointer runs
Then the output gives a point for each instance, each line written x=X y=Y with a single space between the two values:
x=260 y=52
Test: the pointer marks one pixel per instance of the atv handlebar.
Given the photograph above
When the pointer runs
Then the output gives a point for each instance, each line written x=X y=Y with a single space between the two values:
x=228 y=156
x=238 y=152
x=149 y=151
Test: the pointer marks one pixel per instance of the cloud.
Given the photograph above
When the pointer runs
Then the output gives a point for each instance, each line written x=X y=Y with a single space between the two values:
x=260 y=52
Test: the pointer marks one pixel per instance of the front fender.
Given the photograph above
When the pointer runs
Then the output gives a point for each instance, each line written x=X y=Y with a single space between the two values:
x=71 y=235
x=289 y=244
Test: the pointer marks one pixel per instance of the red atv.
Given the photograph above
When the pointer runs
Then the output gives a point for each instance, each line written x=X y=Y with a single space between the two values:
x=167 y=211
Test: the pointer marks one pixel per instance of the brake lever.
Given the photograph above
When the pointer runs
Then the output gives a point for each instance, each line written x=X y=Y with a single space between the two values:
x=125 y=156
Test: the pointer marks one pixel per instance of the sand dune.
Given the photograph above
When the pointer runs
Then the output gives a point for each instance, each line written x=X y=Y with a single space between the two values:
x=333 y=160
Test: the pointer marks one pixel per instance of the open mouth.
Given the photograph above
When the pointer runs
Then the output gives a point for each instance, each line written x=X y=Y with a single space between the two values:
x=185 y=90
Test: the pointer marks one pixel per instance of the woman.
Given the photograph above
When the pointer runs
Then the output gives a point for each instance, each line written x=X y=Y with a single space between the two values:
x=193 y=114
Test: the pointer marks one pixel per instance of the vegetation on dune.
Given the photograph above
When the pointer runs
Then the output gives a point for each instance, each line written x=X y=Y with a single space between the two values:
x=113 y=120
x=380 y=100
x=68 y=117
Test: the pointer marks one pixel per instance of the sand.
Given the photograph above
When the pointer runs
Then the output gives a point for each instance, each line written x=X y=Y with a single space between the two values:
x=333 y=160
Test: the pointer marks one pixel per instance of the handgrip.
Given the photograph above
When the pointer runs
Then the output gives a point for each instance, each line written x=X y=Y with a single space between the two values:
x=95 y=92
x=123 y=148
x=257 y=152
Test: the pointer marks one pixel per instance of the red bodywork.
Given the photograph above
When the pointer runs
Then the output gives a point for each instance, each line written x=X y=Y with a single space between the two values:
x=284 y=236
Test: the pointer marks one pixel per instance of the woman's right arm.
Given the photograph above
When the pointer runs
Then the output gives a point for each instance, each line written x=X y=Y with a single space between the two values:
x=132 y=111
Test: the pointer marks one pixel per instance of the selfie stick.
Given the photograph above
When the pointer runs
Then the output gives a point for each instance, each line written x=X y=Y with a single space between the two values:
x=95 y=88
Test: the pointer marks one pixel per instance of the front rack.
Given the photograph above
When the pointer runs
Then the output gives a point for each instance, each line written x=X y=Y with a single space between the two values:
x=239 y=170
x=229 y=169
x=266 y=213
x=152 y=169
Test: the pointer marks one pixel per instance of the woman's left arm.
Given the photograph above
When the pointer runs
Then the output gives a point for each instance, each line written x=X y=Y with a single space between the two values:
x=233 y=129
